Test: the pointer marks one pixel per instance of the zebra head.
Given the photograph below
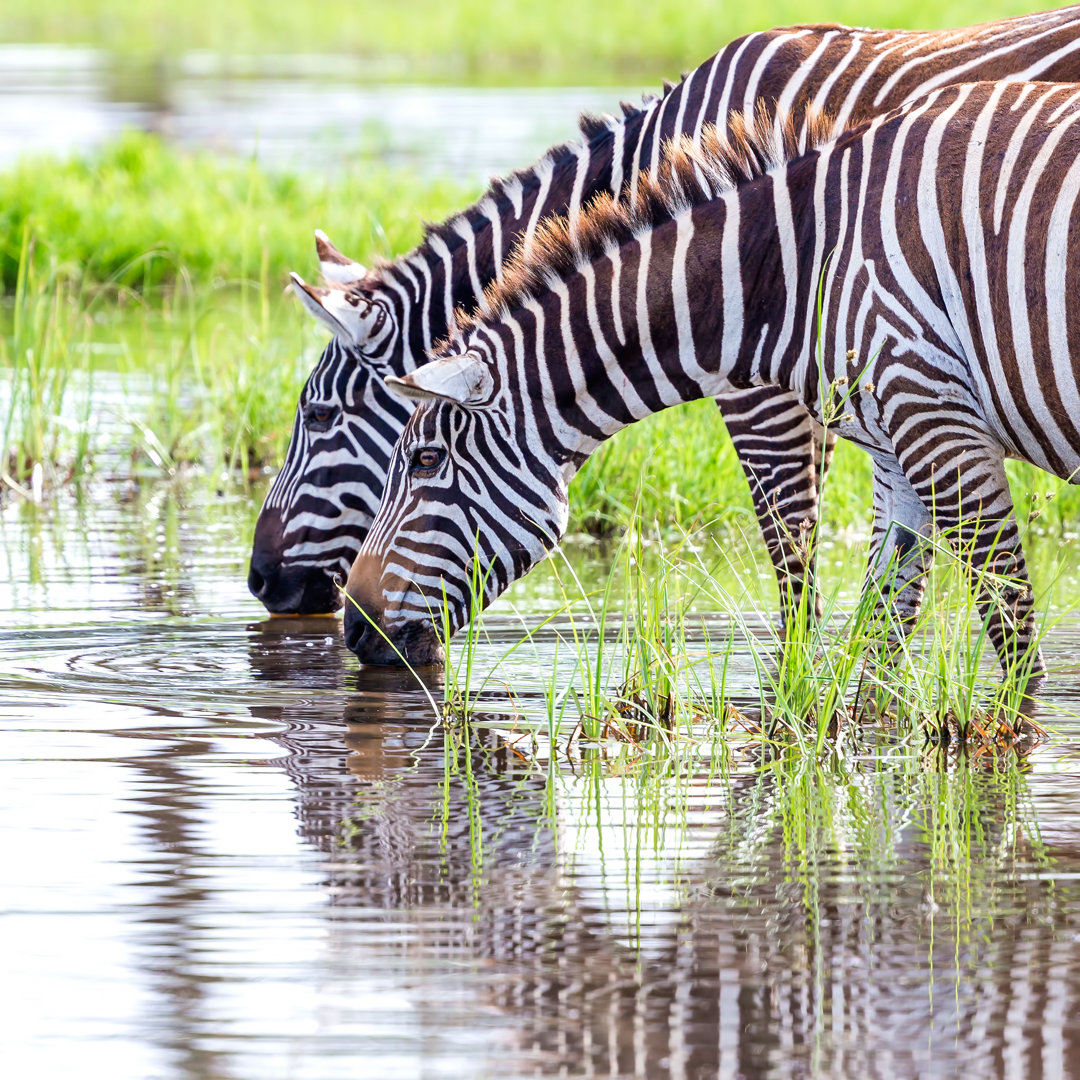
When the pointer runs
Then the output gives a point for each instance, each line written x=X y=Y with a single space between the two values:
x=471 y=504
x=322 y=503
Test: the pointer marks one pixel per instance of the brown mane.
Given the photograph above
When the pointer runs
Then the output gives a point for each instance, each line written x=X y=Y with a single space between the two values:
x=688 y=176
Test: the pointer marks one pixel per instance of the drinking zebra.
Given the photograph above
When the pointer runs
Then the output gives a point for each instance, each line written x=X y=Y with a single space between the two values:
x=321 y=505
x=939 y=241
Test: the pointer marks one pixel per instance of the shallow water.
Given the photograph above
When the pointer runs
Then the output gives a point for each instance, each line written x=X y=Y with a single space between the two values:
x=310 y=113
x=227 y=851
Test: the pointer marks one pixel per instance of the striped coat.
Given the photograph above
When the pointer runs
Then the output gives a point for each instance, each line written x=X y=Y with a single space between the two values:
x=322 y=503
x=942 y=238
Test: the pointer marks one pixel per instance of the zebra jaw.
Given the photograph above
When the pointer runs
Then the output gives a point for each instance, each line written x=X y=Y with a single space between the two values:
x=463 y=379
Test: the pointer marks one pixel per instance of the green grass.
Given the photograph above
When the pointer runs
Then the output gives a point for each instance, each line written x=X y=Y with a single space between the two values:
x=141 y=215
x=168 y=269
x=462 y=40
x=648 y=652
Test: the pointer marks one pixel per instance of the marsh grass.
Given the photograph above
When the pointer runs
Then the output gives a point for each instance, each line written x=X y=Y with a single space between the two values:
x=650 y=671
x=44 y=352
x=163 y=272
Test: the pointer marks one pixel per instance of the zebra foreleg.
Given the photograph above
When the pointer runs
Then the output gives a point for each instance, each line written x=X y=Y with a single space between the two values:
x=975 y=512
x=784 y=458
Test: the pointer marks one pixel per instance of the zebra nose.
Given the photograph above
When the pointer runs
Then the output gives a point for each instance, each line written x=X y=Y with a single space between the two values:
x=256 y=584
x=264 y=572
x=356 y=626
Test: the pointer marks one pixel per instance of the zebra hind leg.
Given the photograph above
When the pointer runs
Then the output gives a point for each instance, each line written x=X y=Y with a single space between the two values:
x=899 y=558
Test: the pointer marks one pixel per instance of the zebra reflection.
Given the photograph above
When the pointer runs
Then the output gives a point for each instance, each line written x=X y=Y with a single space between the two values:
x=770 y=919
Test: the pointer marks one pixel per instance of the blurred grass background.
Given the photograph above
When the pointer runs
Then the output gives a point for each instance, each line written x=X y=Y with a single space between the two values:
x=512 y=41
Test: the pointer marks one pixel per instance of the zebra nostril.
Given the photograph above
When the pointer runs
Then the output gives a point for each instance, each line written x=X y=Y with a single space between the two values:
x=256 y=583
x=355 y=629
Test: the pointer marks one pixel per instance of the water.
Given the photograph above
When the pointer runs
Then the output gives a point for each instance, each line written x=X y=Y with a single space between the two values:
x=227 y=851
x=310 y=113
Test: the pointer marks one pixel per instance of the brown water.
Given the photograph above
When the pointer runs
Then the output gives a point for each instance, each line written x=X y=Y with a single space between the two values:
x=227 y=851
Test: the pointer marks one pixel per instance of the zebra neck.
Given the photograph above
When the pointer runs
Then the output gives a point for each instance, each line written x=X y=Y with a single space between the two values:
x=682 y=312
x=460 y=257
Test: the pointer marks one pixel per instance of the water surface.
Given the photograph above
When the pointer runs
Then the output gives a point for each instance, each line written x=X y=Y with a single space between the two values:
x=314 y=113
x=228 y=851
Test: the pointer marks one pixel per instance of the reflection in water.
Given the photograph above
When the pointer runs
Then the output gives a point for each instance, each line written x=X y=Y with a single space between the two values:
x=783 y=919
x=225 y=848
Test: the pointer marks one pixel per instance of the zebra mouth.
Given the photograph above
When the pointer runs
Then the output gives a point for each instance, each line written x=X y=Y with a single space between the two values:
x=303 y=591
x=415 y=644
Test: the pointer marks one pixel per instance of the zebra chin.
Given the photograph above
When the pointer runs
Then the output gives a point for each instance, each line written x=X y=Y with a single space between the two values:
x=414 y=643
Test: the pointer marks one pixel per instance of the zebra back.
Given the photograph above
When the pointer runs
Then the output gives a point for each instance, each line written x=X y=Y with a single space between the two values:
x=935 y=239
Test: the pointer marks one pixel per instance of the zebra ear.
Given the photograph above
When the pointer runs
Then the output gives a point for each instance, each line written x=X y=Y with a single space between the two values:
x=333 y=308
x=321 y=303
x=335 y=266
x=463 y=379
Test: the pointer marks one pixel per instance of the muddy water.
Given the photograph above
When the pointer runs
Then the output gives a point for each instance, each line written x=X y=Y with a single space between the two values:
x=227 y=851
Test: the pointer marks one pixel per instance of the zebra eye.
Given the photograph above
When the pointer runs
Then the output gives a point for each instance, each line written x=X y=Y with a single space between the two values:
x=426 y=460
x=318 y=417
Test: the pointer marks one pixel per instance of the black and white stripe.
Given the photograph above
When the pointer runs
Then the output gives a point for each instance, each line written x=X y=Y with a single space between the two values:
x=943 y=240
x=321 y=506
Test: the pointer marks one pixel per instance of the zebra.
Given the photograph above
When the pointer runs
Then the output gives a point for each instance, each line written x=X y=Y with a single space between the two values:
x=321 y=505
x=936 y=241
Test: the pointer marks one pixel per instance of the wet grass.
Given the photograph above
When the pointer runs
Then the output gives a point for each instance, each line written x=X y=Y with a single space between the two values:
x=145 y=216
x=165 y=271
x=672 y=654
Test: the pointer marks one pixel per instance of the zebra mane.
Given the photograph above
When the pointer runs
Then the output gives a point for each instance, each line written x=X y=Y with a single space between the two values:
x=688 y=175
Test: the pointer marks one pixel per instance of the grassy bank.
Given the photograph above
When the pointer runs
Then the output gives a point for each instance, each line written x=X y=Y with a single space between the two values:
x=141 y=215
x=559 y=41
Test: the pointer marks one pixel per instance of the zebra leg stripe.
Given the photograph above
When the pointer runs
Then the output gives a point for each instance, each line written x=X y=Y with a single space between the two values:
x=781 y=451
x=978 y=517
